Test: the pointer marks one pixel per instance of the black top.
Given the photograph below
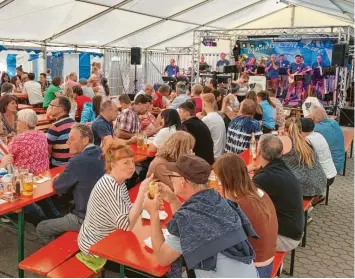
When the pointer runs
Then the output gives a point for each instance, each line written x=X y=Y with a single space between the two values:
x=285 y=192
x=204 y=143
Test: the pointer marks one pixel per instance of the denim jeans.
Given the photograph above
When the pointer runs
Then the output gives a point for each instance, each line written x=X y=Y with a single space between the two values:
x=265 y=271
x=41 y=210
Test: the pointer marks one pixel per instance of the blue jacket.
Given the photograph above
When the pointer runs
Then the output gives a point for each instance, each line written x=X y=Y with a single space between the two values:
x=80 y=176
x=334 y=136
x=88 y=114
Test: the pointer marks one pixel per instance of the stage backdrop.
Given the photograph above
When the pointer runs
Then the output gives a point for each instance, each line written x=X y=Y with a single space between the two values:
x=309 y=49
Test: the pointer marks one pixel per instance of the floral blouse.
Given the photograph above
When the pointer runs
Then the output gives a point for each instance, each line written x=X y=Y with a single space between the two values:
x=30 y=150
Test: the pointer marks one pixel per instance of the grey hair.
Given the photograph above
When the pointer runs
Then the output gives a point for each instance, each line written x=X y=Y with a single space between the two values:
x=85 y=131
x=271 y=147
x=29 y=117
x=7 y=87
x=147 y=86
x=318 y=114
x=105 y=105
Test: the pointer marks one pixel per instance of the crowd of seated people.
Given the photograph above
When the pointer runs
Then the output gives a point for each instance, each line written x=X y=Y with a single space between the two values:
x=193 y=136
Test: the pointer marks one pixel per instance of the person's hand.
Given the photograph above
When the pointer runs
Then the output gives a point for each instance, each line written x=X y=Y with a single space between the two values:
x=132 y=140
x=6 y=160
x=166 y=192
x=253 y=167
x=144 y=187
x=58 y=94
x=152 y=205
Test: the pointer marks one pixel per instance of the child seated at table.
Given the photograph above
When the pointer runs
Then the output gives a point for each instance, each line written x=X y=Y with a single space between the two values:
x=109 y=207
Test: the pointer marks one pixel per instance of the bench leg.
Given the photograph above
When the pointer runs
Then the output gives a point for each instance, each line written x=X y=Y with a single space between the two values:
x=327 y=195
x=344 y=164
x=304 y=238
x=292 y=264
x=122 y=275
x=20 y=240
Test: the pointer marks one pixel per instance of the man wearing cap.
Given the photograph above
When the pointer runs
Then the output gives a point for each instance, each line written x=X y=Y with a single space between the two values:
x=181 y=95
x=209 y=231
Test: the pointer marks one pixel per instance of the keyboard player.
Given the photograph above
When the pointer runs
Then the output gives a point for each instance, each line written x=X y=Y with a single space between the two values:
x=203 y=65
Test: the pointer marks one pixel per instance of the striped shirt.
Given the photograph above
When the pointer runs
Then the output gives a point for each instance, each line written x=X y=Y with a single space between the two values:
x=57 y=136
x=108 y=209
x=240 y=132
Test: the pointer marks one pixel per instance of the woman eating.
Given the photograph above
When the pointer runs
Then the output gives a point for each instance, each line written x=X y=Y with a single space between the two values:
x=109 y=207
x=302 y=161
x=179 y=143
x=237 y=186
x=170 y=122
x=8 y=117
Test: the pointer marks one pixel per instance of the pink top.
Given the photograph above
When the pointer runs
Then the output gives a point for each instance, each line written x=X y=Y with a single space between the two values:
x=30 y=150
x=70 y=84
x=198 y=102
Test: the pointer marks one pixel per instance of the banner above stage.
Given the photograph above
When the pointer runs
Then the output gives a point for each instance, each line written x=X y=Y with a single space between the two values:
x=309 y=49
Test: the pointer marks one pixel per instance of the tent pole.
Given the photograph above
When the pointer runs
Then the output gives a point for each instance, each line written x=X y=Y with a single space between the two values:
x=45 y=59
x=145 y=66
x=292 y=15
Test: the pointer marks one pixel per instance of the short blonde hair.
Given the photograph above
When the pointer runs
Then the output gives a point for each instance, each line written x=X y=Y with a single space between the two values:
x=197 y=89
x=209 y=98
x=29 y=117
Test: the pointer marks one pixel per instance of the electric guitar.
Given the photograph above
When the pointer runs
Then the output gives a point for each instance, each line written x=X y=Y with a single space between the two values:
x=291 y=77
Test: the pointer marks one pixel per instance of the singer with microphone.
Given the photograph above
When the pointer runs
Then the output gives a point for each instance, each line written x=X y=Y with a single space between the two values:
x=272 y=71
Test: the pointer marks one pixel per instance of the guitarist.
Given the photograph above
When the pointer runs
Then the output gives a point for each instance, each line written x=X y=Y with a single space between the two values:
x=296 y=68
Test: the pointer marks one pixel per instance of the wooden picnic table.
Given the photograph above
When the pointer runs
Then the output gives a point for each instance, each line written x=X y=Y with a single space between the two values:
x=132 y=252
x=21 y=96
x=348 y=143
x=43 y=119
x=142 y=151
x=23 y=106
x=40 y=192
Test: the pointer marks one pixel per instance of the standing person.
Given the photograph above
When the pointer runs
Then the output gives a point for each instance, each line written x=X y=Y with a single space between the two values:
x=210 y=232
x=203 y=64
x=33 y=90
x=91 y=110
x=302 y=160
x=269 y=113
x=241 y=129
x=102 y=126
x=214 y=123
x=331 y=131
x=284 y=190
x=318 y=78
x=321 y=147
x=222 y=62
x=106 y=88
x=171 y=70
x=128 y=122
x=181 y=96
x=178 y=144
x=243 y=87
x=204 y=144
x=196 y=96
x=109 y=207
x=58 y=133
x=280 y=117
x=19 y=72
x=170 y=123
x=49 y=75
x=273 y=73
x=88 y=91
x=295 y=68
x=250 y=67
x=147 y=89
x=43 y=82
x=8 y=116
x=238 y=187
x=50 y=94
x=80 y=99
x=282 y=63
x=74 y=180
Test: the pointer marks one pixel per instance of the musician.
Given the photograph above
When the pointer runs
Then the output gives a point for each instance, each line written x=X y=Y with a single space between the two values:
x=203 y=65
x=272 y=71
x=318 y=78
x=282 y=63
x=307 y=80
x=296 y=68
x=222 y=62
x=251 y=66
x=171 y=70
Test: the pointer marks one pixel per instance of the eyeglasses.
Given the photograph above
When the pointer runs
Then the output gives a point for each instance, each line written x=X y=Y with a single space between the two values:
x=174 y=176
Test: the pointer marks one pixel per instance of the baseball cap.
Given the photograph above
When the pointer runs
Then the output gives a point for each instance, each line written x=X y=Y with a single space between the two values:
x=192 y=168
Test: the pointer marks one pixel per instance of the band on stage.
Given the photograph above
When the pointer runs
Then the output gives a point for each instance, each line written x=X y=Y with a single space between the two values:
x=283 y=76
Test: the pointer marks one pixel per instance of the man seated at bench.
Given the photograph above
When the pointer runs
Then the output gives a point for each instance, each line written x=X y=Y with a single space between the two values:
x=331 y=131
x=79 y=177
x=284 y=190
x=213 y=244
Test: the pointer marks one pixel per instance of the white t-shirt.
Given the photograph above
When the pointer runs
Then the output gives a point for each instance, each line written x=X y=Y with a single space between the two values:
x=309 y=104
x=321 y=147
x=163 y=135
x=34 y=92
x=217 y=128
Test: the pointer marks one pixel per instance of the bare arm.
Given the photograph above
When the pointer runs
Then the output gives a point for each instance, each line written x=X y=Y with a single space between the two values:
x=125 y=135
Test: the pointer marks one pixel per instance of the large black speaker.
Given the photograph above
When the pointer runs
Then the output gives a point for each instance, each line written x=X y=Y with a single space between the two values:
x=135 y=56
x=346 y=117
x=340 y=55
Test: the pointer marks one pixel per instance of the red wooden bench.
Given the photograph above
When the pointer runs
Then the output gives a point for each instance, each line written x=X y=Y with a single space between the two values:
x=52 y=255
x=72 y=268
x=348 y=144
x=40 y=110
x=276 y=270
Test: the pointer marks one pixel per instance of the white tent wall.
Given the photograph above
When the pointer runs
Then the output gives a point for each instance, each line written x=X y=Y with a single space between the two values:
x=70 y=64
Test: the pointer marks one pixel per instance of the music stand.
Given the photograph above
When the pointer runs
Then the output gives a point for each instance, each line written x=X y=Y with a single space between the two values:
x=230 y=69
x=283 y=71
x=204 y=67
x=170 y=81
x=260 y=70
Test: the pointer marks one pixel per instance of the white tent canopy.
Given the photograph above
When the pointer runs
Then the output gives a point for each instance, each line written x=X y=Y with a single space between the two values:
x=154 y=24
